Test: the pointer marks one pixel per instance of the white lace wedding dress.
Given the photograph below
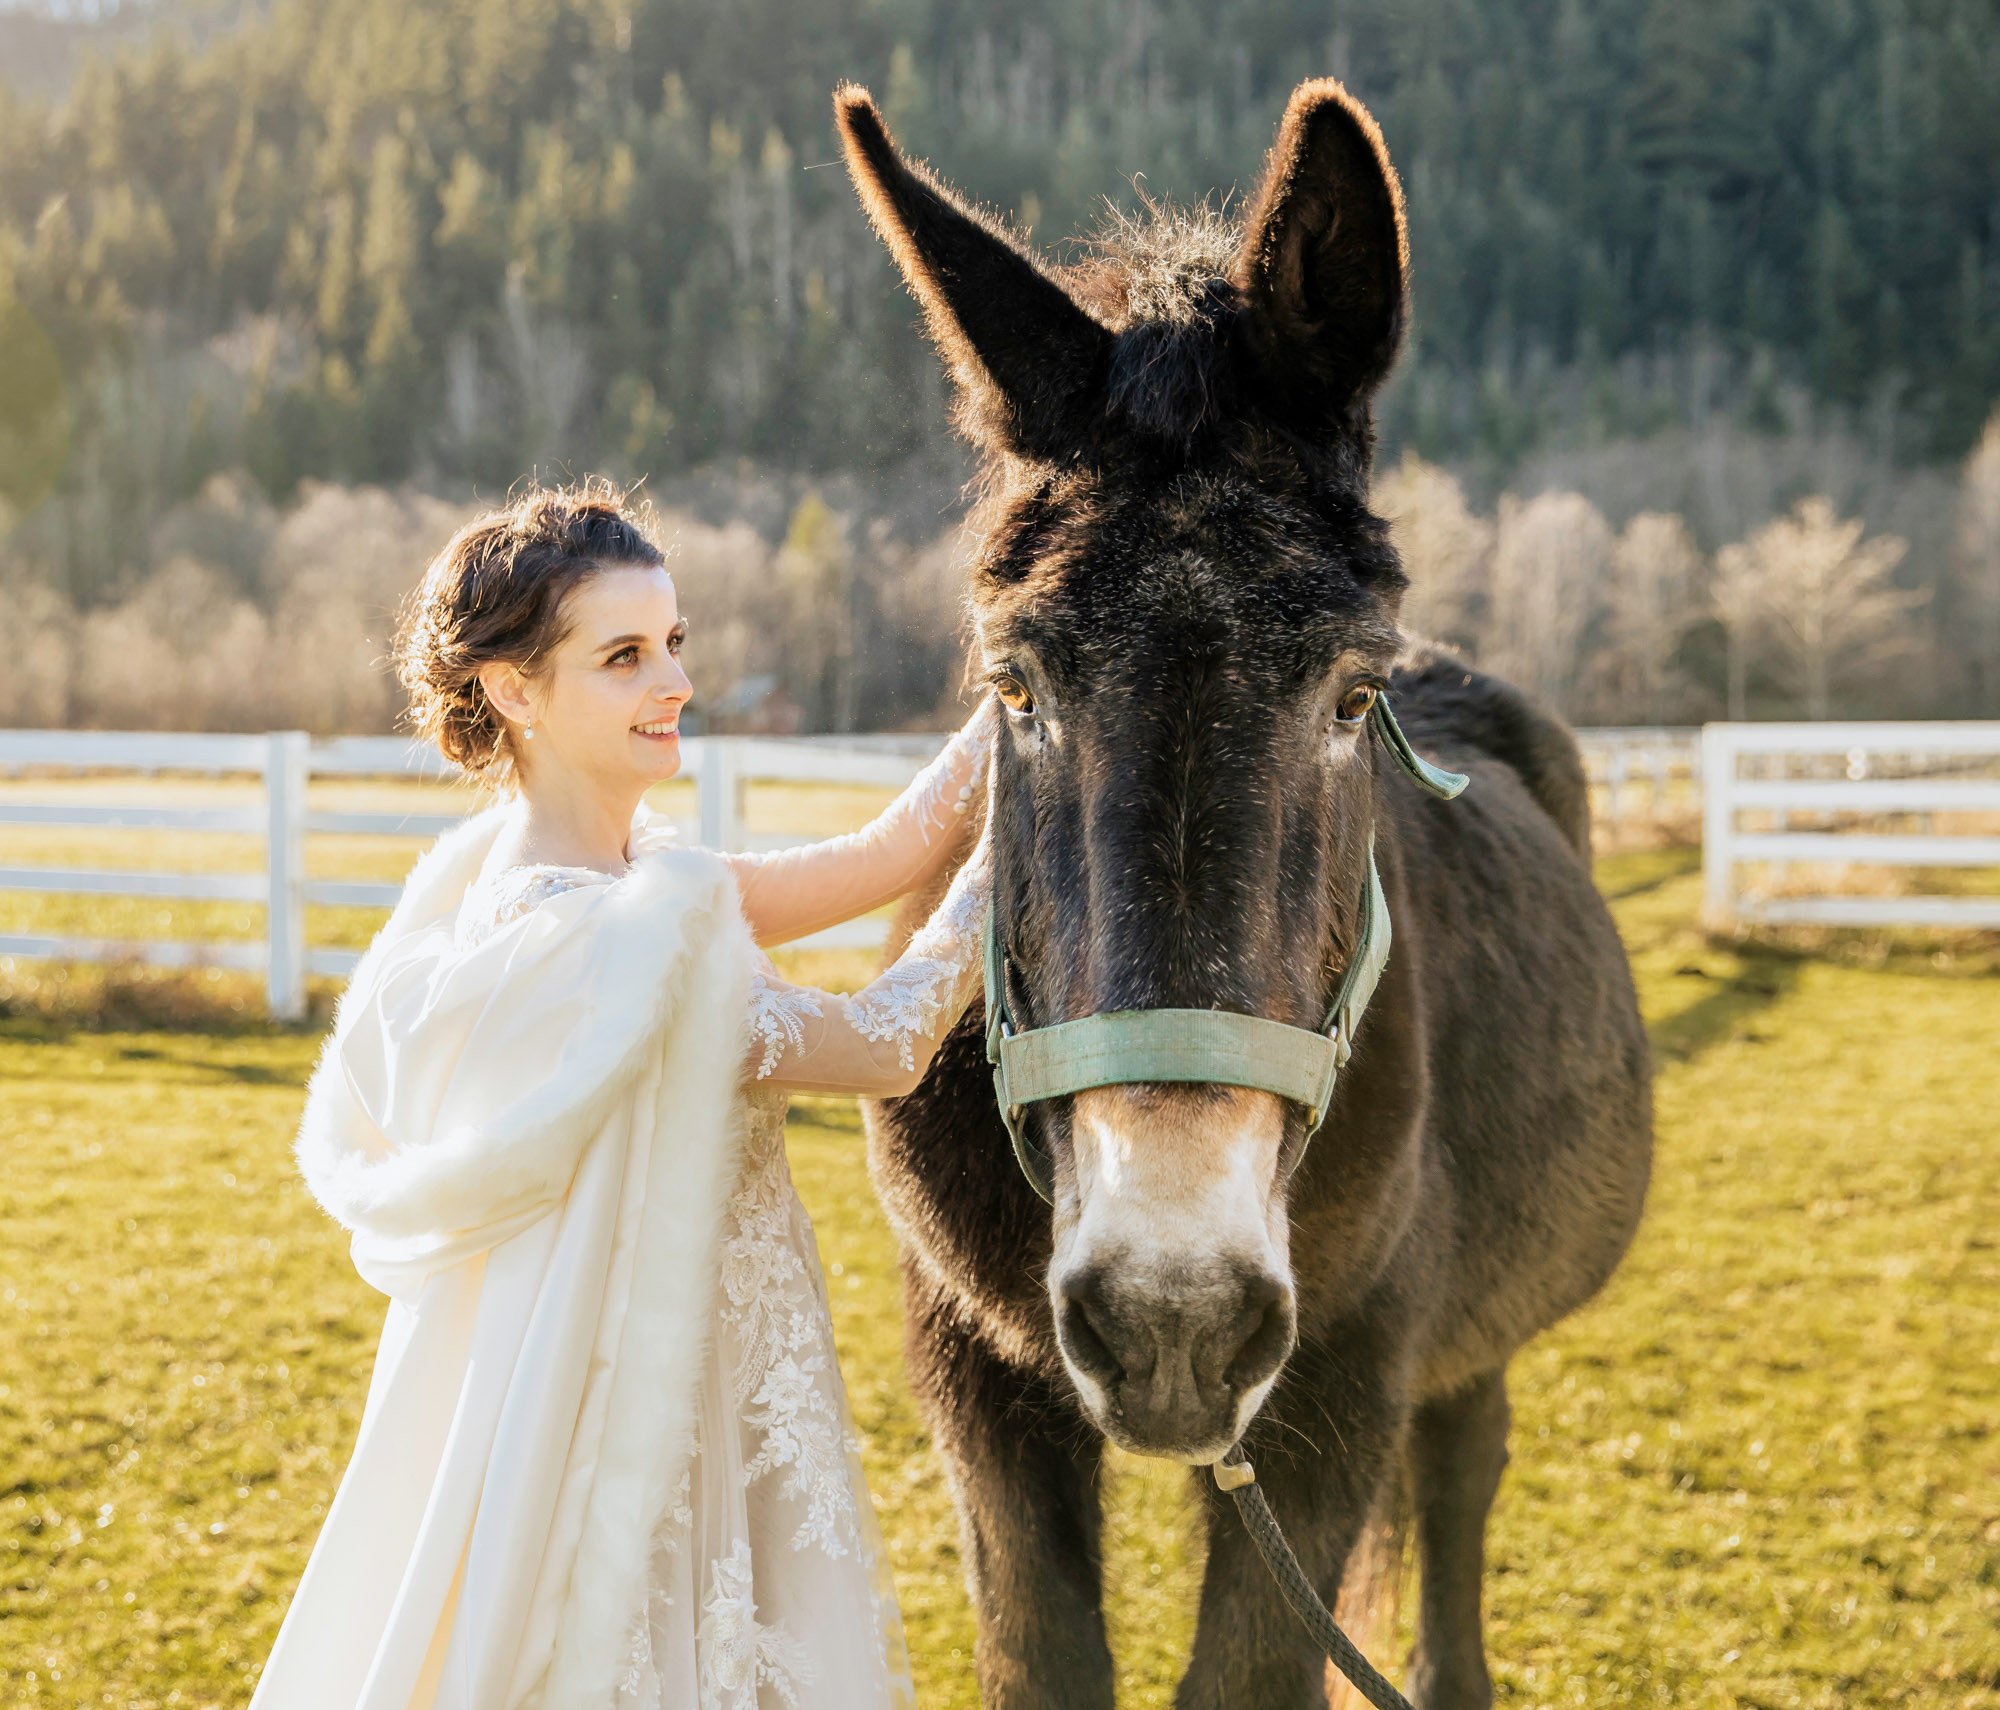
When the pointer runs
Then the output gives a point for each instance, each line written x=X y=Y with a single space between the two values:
x=769 y=1586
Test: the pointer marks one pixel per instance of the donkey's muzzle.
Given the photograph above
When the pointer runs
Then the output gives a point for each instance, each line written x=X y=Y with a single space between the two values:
x=1166 y=1366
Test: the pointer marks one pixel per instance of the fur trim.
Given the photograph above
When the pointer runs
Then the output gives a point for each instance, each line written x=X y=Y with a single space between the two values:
x=385 y=1162
x=649 y=1423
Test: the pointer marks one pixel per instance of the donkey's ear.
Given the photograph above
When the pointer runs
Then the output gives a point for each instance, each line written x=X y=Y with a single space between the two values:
x=1325 y=262
x=1030 y=364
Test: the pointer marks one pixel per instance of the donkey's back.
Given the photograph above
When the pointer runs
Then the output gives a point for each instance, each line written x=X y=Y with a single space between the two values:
x=1538 y=1074
x=1443 y=700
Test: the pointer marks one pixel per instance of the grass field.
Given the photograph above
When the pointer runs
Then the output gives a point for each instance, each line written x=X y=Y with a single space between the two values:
x=1762 y=1470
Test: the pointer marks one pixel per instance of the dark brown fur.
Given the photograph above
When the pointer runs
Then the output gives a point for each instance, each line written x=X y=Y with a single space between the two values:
x=1177 y=546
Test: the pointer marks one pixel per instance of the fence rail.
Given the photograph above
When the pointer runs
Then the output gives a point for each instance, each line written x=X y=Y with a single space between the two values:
x=1656 y=761
x=285 y=763
x=1867 y=773
x=1904 y=772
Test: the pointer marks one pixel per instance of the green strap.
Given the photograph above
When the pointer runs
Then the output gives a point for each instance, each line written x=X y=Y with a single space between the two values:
x=1219 y=1047
x=1442 y=784
x=1134 y=1045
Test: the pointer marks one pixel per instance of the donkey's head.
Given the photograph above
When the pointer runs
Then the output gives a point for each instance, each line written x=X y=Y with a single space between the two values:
x=1187 y=608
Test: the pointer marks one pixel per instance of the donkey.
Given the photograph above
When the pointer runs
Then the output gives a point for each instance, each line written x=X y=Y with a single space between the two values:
x=1188 y=609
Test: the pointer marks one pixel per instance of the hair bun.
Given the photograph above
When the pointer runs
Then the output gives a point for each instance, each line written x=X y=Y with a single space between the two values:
x=496 y=595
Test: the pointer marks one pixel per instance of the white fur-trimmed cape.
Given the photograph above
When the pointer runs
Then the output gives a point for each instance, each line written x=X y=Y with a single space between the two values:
x=534 y=1141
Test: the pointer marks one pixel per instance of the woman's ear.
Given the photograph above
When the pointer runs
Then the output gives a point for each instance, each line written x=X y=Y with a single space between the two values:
x=507 y=689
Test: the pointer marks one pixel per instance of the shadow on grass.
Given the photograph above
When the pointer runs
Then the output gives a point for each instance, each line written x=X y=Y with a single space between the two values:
x=1634 y=874
x=1727 y=1010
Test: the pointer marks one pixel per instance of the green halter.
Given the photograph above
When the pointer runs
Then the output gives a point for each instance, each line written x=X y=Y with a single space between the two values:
x=1216 y=1046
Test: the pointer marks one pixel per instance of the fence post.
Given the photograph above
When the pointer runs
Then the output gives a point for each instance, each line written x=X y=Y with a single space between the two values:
x=721 y=793
x=285 y=767
x=1718 y=826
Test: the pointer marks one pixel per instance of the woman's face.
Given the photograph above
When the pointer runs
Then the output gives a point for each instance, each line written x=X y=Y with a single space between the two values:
x=606 y=702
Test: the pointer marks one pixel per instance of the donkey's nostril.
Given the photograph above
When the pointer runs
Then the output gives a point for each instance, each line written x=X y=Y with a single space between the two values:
x=1262 y=1335
x=1086 y=1329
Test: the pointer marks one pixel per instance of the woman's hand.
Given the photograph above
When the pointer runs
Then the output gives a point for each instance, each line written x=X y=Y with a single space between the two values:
x=797 y=891
x=949 y=786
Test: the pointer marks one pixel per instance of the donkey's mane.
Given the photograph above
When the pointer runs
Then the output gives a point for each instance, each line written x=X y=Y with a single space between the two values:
x=1160 y=279
x=1158 y=264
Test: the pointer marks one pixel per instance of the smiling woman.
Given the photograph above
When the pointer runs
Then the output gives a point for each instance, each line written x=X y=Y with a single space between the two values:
x=604 y=1458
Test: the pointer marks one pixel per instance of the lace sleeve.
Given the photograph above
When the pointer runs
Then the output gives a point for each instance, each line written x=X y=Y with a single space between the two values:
x=881 y=1040
x=785 y=1020
x=796 y=891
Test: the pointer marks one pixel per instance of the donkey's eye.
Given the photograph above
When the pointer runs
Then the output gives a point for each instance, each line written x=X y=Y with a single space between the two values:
x=1357 y=703
x=1015 y=693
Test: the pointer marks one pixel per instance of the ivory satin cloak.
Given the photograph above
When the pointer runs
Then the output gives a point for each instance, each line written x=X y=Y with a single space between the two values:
x=534 y=1141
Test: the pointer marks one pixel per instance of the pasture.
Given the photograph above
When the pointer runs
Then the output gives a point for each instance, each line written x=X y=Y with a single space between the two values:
x=1763 y=1469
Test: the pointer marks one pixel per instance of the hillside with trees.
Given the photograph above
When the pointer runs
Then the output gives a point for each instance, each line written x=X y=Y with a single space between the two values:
x=1699 y=258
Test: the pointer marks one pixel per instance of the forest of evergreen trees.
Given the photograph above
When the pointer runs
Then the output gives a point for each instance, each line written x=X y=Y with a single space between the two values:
x=440 y=243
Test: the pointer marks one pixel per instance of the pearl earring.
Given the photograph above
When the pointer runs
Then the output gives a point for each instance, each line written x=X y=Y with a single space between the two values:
x=528 y=731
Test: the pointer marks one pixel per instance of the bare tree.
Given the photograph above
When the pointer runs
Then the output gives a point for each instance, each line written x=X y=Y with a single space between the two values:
x=184 y=641
x=41 y=649
x=1811 y=587
x=1735 y=595
x=1444 y=547
x=1550 y=556
x=1976 y=558
x=816 y=569
x=1653 y=599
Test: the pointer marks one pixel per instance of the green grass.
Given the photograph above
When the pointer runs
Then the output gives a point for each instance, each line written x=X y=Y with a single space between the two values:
x=1762 y=1470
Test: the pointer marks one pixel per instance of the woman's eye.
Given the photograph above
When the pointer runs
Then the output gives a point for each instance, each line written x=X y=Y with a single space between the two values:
x=624 y=656
x=1015 y=693
x=1357 y=703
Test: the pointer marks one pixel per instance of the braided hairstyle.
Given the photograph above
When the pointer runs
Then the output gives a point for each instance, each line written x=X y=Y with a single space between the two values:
x=496 y=595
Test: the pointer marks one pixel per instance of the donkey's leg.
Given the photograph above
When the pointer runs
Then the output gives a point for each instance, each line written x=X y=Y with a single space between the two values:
x=1321 y=1462
x=1024 y=1471
x=1458 y=1447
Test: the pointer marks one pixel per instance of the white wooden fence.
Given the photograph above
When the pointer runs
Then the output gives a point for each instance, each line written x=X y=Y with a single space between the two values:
x=1895 y=778
x=1650 y=762
x=286 y=762
x=1872 y=794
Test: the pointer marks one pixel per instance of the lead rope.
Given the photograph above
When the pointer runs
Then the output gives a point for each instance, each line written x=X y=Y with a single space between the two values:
x=1235 y=1474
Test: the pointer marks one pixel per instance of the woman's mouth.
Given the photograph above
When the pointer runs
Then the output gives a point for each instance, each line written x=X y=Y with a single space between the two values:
x=661 y=730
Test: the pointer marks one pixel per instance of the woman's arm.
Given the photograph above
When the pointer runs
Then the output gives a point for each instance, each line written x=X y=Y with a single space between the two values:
x=879 y=1042
x=796 y=891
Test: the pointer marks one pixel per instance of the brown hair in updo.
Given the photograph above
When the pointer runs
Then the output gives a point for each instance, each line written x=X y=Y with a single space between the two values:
x=495 y=595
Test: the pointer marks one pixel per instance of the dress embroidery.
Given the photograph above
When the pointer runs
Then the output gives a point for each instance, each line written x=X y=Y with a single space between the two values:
x=782 y=1384
x=738 y=1653
x=778 y=1017
x=904 y=1004
x=512 y=892
x=938 y=794
x=908 y=1000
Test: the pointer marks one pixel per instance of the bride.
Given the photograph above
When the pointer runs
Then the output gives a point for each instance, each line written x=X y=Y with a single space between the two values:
x=605 y=1462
